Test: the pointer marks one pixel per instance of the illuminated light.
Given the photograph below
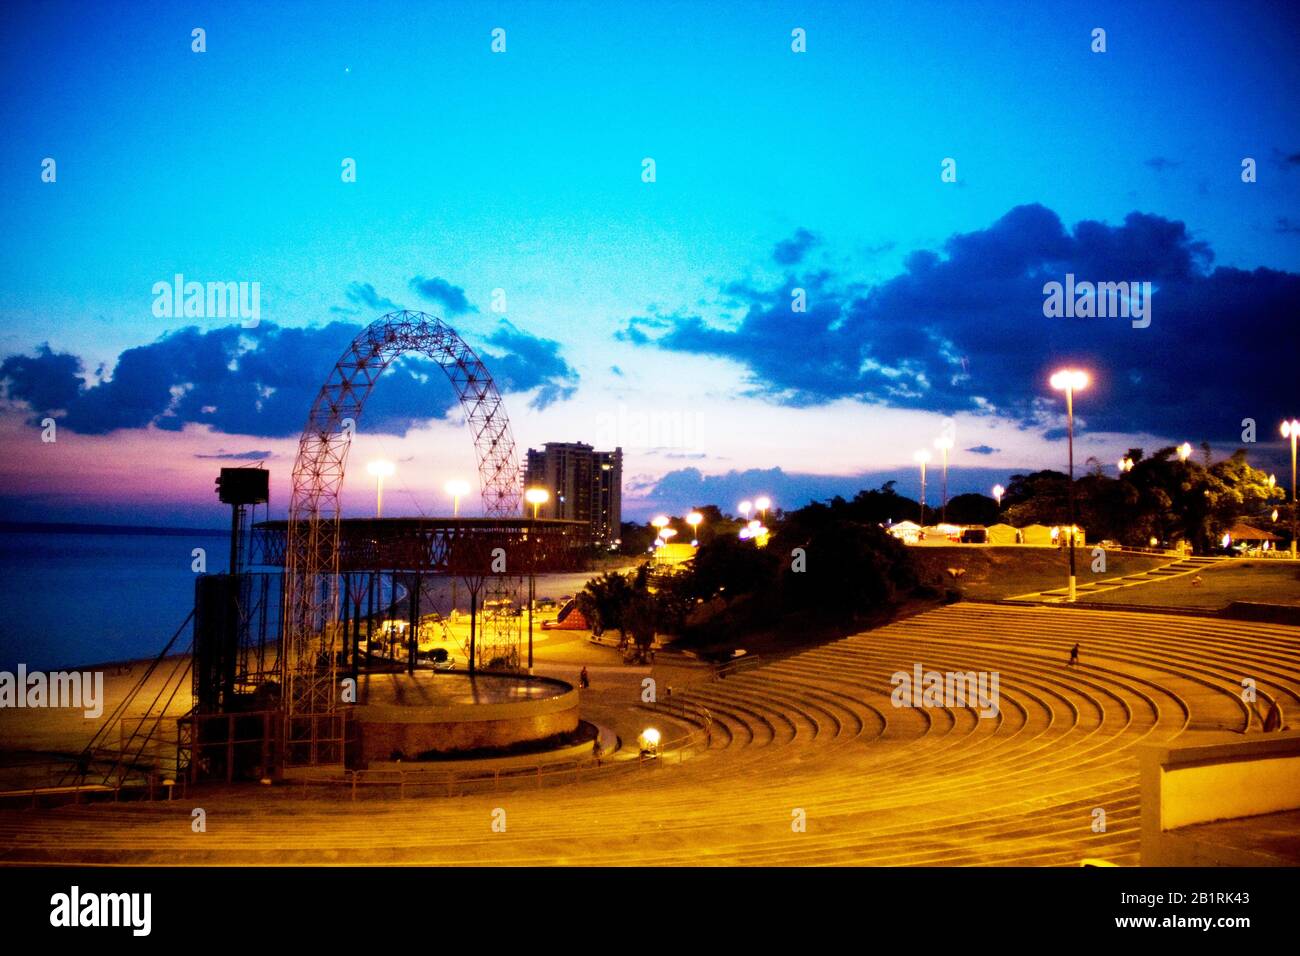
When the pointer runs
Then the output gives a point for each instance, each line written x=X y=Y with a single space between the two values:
x=381 y=469
x=456 y=488
x=745 y=507
x=537 y=497
x=649 y=741
x=922 y=456
x=660 y=521
x=1184 y=451
x=998 y=492
x=694 y=518
x=1071 y=379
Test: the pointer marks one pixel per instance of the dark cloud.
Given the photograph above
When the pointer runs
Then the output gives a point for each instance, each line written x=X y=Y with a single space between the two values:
x=363 y=293
x=259 y=381
x=530 y=362
x=47 y=380
x=1284 y=160
x=239 y=455
x=789 y=252
x=984 y=450
x=1286 y=225
x=1160 y=164
x=450 y=297
x=961 y=328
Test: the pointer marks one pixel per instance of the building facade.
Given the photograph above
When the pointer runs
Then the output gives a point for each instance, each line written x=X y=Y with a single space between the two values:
x=584 y=485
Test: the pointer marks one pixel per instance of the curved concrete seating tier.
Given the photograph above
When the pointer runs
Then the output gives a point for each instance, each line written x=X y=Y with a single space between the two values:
x=811 y=736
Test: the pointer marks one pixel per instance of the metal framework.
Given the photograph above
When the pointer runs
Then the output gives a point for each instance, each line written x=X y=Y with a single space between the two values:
x=311 y=579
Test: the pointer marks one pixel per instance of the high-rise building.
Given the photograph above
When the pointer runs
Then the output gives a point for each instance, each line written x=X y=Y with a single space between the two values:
x=584 y=484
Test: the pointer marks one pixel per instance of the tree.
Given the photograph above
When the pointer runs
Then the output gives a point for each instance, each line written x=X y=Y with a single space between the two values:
x=972 y=509
x=603 y=602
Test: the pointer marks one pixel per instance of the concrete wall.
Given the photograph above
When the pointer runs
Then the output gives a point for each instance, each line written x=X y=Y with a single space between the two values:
x=1219 y=777
x=415 y=730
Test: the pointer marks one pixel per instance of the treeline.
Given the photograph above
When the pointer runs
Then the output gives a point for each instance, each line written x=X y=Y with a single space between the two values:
x=823 y=569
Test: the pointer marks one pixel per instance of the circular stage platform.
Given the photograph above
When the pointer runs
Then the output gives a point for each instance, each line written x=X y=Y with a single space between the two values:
x=431 y=714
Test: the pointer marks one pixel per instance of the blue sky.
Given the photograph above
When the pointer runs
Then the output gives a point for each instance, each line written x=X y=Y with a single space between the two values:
x=521 y=171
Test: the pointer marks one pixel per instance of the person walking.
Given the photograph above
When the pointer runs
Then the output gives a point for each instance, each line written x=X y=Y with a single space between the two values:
x=1074 y=656
x=584 y=681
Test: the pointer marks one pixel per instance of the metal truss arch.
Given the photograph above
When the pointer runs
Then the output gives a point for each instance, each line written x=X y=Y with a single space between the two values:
x=311 y=588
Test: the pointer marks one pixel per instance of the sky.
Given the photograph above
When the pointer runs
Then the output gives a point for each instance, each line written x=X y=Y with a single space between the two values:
x=913 y=178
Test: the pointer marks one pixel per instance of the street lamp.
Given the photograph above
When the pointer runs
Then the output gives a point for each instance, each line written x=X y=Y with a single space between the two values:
x=921 y=458
x=536 y=497
x=456 y=487
x=693 y=519
x=1125 y=465
x=998 y=492
x=762 y=504
x=1184 y=451
x=944 y=443
x=381 y=469
x=1291 y=430
x=1069 y=381
x=745 y=507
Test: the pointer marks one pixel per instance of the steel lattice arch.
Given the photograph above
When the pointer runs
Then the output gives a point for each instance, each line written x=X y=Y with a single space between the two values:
x=311 y=560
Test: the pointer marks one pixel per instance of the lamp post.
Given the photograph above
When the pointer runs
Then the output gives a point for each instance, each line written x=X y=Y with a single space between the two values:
x=1070 y=381
x=693 y=519
x=381 y=469
x=537 y=497
x=456 y=487
x=998 y=492
x=762 y=504
x=944 y=443
x=1184 y=451
x=1291 y=430
x=745 y=507
x=922 y=457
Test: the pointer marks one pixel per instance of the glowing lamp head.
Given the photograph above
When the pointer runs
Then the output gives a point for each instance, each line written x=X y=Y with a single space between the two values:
x=921 y=456
x=660 y=522
x=457 y=488
x=1291 y=429
x=762 y=504
x=381 y=468
x=1071 y=379
x=1184 y=451
x=694 y=518
x=745 y=507
x=998 y=492
x=943 y=442
x=667 y=533
x=537 y=496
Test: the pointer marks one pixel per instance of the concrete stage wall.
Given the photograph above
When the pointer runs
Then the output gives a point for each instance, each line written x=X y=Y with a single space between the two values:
x=458 y=726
